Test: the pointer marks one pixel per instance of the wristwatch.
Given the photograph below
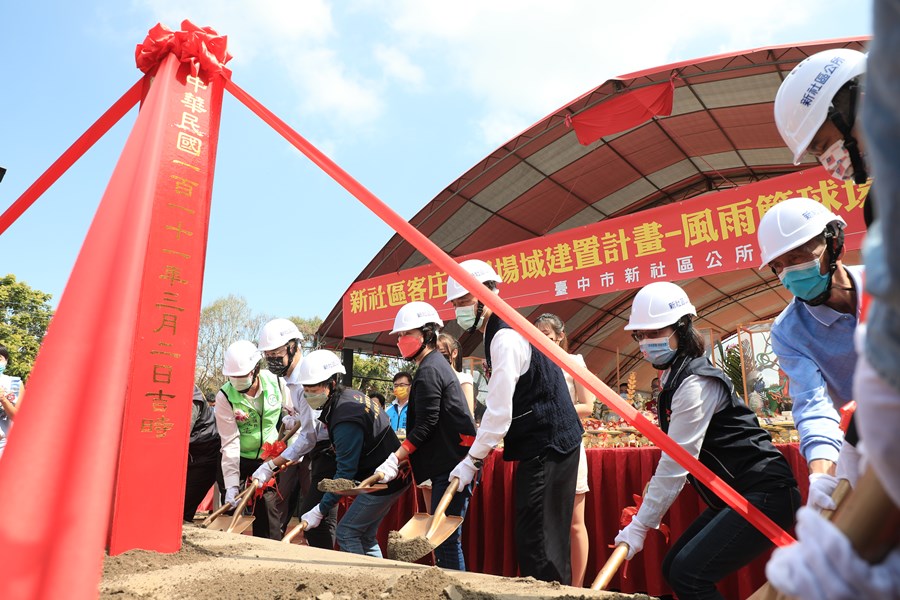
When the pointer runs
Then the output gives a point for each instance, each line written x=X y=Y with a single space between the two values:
x=477 y=462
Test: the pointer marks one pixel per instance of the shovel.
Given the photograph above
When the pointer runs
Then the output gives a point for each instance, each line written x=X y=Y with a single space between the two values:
x=609 y=569
x=768 y=591
x=366 y=486
x=433 y=529
x=290 y=535
x=239 y=522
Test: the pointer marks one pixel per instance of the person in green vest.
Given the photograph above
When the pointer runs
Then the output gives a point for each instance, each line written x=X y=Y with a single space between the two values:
x=248 y=414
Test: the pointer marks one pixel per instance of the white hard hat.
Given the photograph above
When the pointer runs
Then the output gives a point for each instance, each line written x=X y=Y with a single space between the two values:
x=659 y=305
x=278 y=332
x=804 y=98
x=241 y=358
x=415 y=315
x=318 y=366
x=790 y=224
x=478 y=269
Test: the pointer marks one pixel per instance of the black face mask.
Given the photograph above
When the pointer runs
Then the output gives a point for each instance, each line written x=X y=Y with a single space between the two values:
x=277 y=366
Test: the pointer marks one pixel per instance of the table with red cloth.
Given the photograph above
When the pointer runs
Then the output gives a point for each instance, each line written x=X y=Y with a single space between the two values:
x=615 y=475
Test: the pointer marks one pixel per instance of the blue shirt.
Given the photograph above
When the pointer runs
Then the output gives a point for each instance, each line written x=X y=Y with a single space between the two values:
x=397 y=415
x=815 y=348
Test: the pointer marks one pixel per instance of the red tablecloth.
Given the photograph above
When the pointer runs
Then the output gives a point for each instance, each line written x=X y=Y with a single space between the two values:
x=615 y=475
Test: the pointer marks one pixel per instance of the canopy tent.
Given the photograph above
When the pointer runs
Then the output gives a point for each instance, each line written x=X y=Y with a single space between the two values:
x=718 y=134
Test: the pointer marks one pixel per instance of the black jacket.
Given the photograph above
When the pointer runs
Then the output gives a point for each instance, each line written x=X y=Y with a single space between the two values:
x=438 y=423
x=735 y=447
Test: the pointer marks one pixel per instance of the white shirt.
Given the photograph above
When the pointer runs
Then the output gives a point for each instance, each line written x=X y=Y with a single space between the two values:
x=695 y=402
x=311 y=429
x=510 y=359
x=231 y=437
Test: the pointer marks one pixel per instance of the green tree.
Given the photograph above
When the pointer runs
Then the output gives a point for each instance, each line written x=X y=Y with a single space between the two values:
x=375 y=372
x=222 y=322
x=308 y=327
x=24 y=316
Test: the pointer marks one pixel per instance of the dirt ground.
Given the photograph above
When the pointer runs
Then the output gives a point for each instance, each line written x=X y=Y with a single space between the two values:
x=222 y=566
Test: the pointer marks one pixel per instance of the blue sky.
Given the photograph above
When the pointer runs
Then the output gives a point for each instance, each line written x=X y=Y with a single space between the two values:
x=405 y=95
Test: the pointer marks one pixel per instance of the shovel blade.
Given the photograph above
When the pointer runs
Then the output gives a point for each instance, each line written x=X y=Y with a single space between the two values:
x=242 y=524
x=420 y=524
x=417 y=526
x=375 y=487
x=444 y=529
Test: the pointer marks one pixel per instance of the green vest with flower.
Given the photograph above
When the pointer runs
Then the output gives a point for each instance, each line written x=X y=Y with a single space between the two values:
x=258 y=427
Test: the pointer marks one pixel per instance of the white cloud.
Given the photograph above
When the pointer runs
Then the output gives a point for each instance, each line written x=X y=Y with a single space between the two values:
x=514 y=61
x=397 y=65
x=525 y=58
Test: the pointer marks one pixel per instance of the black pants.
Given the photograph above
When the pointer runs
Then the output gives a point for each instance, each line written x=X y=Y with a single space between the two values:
x=322 y=466
x=265 y=509
x=545 y=500
x=289 y=493
x=201 y=475
x=720 y=542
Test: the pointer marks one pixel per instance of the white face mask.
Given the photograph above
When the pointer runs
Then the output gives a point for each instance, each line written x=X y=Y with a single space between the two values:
x=242 y=384
x=657 y=350
x=836 y=160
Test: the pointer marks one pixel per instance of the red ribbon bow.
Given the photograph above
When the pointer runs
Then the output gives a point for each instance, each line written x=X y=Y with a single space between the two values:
x=272 y=449
x=629 y=512
x=202 y=47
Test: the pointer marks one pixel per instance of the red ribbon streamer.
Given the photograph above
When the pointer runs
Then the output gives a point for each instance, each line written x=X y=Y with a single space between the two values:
x=202 y=47
x=499 y=306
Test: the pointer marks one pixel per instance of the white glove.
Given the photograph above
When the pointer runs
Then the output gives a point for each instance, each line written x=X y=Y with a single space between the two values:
x=231 y=496
x=633 y=535
x=824 y=566
x=465 y=471
x=821 y=486
x=288 y=421
x=264 y=473
x=313 y=517
x=389 y=468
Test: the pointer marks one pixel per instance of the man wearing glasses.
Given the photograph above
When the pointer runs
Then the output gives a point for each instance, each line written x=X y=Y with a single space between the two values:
x=802 y=242
x=396 y=412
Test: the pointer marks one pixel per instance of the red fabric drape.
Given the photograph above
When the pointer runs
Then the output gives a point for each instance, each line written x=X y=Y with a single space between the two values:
x=624 y=111
x=615 y=475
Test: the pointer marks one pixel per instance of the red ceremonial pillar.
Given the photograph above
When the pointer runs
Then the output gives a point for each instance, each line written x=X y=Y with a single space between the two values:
x=149 y=491
x=58 y=468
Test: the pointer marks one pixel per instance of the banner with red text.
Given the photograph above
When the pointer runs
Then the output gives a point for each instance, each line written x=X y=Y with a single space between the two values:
x=709 y=234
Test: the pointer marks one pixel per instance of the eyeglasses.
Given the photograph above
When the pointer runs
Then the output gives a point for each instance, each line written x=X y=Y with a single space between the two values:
x=396 y=385
x=638 y=336
x=274 y=354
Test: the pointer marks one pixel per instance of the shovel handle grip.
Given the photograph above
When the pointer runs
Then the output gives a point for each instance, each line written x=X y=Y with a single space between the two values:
x=220 y=511
x=612 y=565
x=247 y=493
x=290 y=535
x=375 y=478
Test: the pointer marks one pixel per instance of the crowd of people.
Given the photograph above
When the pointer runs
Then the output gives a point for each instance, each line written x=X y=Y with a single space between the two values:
x=427 y=435
x=286 y=421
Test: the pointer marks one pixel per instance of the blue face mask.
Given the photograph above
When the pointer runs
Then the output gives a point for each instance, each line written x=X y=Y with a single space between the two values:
x=2 y=367
x=804 y=280
x=657 y=350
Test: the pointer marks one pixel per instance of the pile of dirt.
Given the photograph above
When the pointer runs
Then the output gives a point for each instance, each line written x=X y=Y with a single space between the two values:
x=218 y=566
x=407 y=550
x=337 y=485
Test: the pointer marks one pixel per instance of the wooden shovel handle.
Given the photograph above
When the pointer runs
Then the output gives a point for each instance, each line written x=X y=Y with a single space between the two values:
x=442 y=506
x=290 y=535
x=219 y=511
x=612 y=565
x=768 y=591
x=248 y=492
x=371 y=480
